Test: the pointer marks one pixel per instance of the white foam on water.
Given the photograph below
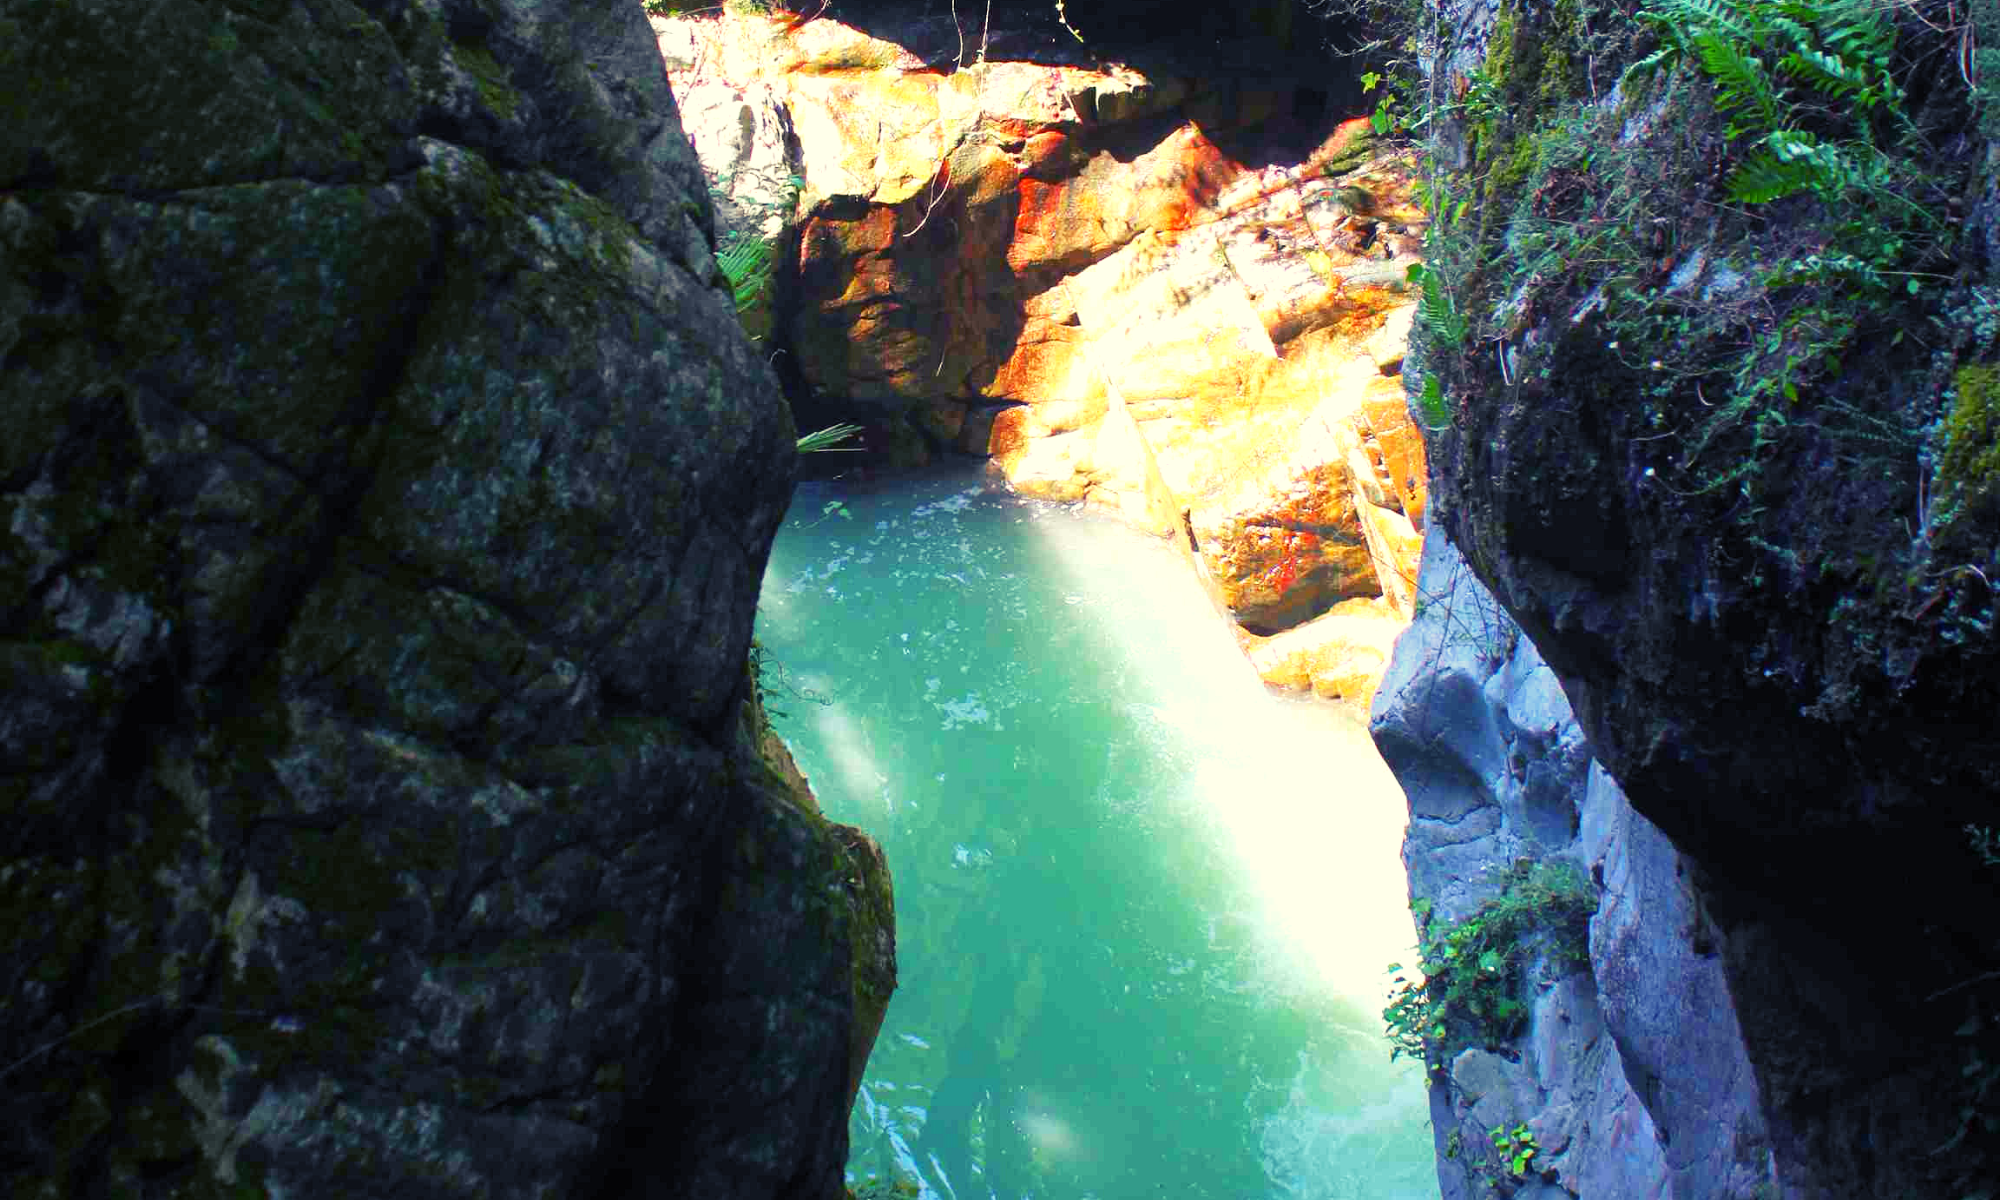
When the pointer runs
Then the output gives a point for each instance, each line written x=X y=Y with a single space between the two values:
x=1328 y=1142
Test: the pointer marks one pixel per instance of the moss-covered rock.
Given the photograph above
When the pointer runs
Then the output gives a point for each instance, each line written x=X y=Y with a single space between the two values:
x=1722 y=450
x=386 y=488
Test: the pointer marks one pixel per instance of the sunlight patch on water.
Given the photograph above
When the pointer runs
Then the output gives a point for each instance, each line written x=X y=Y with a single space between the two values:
x=1143 y=907
x=1313 y=814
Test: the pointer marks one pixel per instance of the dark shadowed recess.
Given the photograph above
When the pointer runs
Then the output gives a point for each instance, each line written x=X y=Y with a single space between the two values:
x=1261 y=44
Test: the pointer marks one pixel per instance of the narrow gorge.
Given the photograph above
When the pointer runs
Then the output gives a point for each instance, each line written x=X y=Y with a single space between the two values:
x=459 y=742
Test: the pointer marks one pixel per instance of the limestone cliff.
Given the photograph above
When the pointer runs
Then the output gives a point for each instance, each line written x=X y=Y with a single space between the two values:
x=387 y=484
x=1172 y=288
x=1708 y=359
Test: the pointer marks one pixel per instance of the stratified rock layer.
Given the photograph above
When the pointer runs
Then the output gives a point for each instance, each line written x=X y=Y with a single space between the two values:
x=386 y=487
x=1063 y=267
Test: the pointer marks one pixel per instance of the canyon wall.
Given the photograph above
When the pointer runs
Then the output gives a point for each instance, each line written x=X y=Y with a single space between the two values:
x=1719 y=434
x=1626 y=1069
x=1172 y=291
x=387 y=485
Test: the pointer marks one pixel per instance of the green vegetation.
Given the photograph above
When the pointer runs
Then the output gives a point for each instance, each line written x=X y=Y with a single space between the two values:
x=1516 y=1146
x=1779 y=66
x=1474 y=970
x=746 y=267
x=827 y=439
x=875 y=1188
x=1739 y=259
x=1801 y=100
x=1970 y=463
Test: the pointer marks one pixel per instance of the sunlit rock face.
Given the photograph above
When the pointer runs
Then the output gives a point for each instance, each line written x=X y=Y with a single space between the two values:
x=1630 y=1071
x=1074 y=270
x=385 y=490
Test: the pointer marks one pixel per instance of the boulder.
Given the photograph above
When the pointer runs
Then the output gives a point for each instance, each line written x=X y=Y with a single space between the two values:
x=1339 y=655
x=387 y=487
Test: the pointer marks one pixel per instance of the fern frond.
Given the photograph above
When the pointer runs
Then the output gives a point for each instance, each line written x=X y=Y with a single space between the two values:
x=1834 y=76
x=1721 y=16
x=1668 y=56
x=1441 y=317
x=1743 y=84
x=746 y=263
x=1856 y=30
x=1797 y=33
x=1765 y=177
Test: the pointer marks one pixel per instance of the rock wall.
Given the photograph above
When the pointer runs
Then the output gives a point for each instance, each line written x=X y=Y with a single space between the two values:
x=387 y=484
x=1629 y=1069
x=1114 y=280
x=1723 y=447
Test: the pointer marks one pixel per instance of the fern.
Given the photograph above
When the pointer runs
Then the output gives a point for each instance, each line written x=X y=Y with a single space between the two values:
x=1833 y=76
x=1721 y=16
x=746 y=264
x=1431 y=405
x=1741 y=81
x=1435 y=308
x=1765 y=177
x=1839 y=49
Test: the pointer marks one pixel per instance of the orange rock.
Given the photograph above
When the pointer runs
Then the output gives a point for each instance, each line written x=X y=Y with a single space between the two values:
x=1337 y=656
x=1400 y=442
x=1183 y=334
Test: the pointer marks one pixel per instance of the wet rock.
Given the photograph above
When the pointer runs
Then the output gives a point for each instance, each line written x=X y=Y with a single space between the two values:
x=1336 y=656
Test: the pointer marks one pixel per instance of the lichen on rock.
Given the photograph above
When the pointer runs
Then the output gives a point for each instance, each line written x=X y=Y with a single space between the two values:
x=387 y=488
x=1715 y=434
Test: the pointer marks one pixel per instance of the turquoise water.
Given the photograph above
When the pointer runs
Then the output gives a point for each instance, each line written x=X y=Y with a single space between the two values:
x=1144 y=908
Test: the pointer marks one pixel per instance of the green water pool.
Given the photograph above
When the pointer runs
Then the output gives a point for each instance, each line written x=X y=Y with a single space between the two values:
x=1144 y=908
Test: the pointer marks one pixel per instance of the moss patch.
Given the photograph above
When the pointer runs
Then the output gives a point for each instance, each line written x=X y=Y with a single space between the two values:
x=1971 y=457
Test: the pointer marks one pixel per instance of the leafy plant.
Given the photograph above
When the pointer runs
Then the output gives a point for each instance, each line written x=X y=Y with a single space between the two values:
x=823 y=440
x=1516 y=1146
x=1385 y=118
x=746 y=265
x=1768 y=59
x=1431 y=405
x=1436 y=308
x=1472 y=969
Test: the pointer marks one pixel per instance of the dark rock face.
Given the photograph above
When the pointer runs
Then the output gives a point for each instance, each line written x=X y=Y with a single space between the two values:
x=1629 y=1071
x=1765 y=582
x=386 y=486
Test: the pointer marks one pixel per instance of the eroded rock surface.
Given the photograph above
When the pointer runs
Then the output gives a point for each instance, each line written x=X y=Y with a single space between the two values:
x=1069 y=268
x=387 y=484
x=1630 y=1072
